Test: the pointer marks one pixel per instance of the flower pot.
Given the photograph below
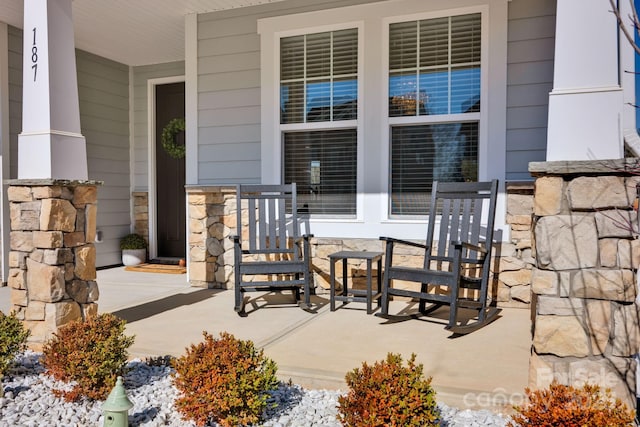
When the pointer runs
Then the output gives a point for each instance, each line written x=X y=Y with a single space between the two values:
x=134 y=256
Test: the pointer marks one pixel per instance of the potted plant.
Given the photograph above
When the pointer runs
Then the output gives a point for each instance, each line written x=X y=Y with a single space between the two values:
x=134 y=249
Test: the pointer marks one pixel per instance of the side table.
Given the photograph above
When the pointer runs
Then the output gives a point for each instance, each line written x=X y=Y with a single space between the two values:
x=355 y=295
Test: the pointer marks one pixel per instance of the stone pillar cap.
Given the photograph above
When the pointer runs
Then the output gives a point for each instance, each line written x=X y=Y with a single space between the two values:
x=50 y=181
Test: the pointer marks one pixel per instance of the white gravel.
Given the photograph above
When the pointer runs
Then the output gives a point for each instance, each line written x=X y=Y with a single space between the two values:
x=28 y=401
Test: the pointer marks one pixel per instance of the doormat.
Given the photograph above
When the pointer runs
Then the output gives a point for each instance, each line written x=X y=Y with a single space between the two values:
x=157 y=268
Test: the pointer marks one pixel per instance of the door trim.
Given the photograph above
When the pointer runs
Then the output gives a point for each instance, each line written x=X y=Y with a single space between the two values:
x=151 y=158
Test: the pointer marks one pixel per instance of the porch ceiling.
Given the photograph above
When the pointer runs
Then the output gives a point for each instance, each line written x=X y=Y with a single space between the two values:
x=133 y=32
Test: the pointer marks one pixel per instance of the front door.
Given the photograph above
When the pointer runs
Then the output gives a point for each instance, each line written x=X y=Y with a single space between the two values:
x=170 y=193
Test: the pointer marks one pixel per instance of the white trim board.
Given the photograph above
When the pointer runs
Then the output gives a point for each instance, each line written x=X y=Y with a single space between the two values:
x=4 y=150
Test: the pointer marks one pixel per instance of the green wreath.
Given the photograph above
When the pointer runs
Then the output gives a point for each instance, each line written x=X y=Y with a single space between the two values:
x=169 y=133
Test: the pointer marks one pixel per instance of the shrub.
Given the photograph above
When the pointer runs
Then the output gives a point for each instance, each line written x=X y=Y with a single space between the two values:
x=13 y=339
x=91 y=353
x=225 y=380
x=133 y=241
x=388 y=394
x=562 y=405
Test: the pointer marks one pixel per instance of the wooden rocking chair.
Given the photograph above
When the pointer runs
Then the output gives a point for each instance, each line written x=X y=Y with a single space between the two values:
x=269 y=252
x=456 y=264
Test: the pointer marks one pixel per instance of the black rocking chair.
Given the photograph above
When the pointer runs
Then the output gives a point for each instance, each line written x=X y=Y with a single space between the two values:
x=269 y=252
x=457 y=259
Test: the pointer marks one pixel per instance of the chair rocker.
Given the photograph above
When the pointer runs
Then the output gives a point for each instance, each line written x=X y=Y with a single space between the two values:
x=456 y=270
x=269 y=252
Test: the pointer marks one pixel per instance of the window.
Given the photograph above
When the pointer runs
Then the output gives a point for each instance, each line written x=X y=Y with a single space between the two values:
x=323 y=164
x=425 y=153
x=318 y=112
x=364 y=106
x=434 y=105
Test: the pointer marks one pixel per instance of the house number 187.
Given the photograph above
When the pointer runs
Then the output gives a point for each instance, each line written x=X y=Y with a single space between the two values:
x=34 y=56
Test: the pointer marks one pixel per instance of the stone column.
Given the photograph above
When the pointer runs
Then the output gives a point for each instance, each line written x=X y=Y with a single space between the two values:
x=141 y=213
x=212 y=219
x=586 y=326
x=52 y=260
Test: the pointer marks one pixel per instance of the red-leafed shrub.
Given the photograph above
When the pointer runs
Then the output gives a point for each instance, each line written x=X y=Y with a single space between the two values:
x=388 y=394
x=225 y=380
x=567 y=406
x=91 y=353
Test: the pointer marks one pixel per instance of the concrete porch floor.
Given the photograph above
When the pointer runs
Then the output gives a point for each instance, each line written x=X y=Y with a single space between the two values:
x=166 y=315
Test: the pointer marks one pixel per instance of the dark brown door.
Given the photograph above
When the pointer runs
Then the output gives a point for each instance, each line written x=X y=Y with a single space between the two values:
x=170 y=194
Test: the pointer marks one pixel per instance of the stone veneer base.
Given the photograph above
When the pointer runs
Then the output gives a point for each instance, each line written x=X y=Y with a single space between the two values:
x=586 y=325
x=212 y=219
x=52 y=258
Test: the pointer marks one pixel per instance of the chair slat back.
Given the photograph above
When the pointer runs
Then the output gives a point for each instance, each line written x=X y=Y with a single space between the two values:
x=461 y=211
x=270 y=227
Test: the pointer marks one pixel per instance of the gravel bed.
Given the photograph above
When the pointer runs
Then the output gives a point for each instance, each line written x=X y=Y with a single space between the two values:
x=28 y=402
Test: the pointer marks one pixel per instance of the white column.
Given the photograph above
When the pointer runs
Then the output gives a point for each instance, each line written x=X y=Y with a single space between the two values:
x=5 y=225
x=586 y=103
x=191 y=98
x=50 y=145
x=628 y=79
x=191 y=110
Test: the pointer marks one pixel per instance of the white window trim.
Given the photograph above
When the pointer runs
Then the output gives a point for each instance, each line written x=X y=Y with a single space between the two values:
x=372 y=219
x=481 y=117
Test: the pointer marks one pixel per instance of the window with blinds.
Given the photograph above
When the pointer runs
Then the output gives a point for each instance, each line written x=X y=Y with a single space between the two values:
x=422 y=154
x=319 y=77
x=434 y=66
x=434 y=70
x=319 y=87
x=323 y=164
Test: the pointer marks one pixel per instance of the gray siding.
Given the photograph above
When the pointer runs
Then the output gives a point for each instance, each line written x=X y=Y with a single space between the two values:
x=229 y=89
x=103 y=91
x=14 y=56
x=529 y=81
x=15 y=96
x=141 y=75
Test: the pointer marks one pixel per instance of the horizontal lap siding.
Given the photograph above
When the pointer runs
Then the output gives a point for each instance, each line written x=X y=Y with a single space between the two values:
x=529 y=80
x=14 y=56
x=141 y=76
x=229 y=101
x=15 y=96
x=103 y=91
x=229 y=89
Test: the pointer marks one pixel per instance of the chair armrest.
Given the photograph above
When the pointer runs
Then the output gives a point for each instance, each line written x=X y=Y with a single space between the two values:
x=470 y=246
x=236 y=239
x=404 y=242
